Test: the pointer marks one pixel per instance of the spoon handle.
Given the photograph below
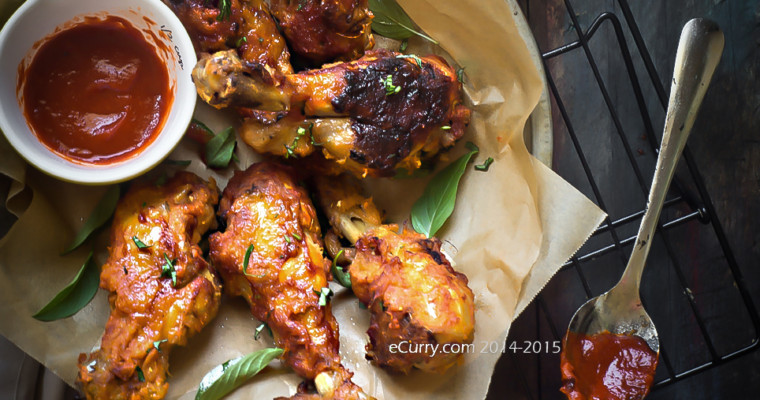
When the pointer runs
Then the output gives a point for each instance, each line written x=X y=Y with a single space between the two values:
x=699 y=51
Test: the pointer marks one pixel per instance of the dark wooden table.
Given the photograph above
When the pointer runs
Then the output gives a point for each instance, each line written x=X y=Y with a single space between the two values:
x=689 y=287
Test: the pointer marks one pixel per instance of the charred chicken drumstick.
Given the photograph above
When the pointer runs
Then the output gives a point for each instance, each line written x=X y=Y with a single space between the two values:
x=373 y=115
x=271 y=254
x=320 y=31
x=413 y=294
x=162 y=290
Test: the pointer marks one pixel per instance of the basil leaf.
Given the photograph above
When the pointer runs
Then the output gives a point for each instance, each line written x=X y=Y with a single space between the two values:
x=220 y=148
x=341 y=275
x=436 y=204
x=99 y=216
x=391 y=21
x=181 y=163
x=74 y=296
x=233 y=373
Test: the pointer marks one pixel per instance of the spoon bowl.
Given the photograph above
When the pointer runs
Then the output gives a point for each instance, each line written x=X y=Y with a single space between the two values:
x=619 y=311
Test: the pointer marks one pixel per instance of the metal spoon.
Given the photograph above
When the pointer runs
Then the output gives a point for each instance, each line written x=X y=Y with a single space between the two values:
x=619 y=310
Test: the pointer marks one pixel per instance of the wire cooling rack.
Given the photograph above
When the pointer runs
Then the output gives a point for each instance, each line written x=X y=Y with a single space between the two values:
x=692 y=288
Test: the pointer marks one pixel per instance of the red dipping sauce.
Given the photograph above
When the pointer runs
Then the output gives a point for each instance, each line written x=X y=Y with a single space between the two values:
x=606 y=366
x=97 y=92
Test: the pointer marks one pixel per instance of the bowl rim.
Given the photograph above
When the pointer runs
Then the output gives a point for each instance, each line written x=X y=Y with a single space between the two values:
x=181 y=111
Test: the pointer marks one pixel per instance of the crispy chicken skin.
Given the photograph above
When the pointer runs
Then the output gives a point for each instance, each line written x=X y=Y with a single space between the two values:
x=267 y=212
x=249 y=30
x=414 y=295
x=153 y=310
x=370 y=116
x=321 y=31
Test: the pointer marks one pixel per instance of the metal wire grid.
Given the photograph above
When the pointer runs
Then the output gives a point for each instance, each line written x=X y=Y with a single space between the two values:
x=699 y=206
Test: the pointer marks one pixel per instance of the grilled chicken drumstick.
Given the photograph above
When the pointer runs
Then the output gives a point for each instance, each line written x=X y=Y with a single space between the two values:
x=162 y=290
x=371 y=116
x=414 y=295
x=248 y=29
x=320 y=31
x=271 y=254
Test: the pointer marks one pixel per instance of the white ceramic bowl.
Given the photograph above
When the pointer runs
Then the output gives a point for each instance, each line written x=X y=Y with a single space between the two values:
x=37 y=19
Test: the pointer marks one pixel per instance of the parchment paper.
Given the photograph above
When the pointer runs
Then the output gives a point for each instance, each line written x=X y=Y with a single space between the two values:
x=512 y=228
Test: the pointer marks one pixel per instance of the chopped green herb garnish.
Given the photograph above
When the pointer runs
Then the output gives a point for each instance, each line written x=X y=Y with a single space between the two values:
x=390 y=88
x=413 y=57
x=259 y=329
x=297 y=237
x=139 y=243
x=240 y=41
x=341 y=275
x=287 y=239
x=324 y=296
x=301 y=4
x=168 y=270
x=486 y=164
x=225 y=10
x=290 y=151
x=140 y=375
x=404 y=45
x=446 y=127
x=247 y=257
x=157 y=344
x=460 y=75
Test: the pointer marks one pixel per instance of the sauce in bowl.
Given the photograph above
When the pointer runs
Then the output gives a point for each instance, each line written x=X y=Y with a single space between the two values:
x=97 y=92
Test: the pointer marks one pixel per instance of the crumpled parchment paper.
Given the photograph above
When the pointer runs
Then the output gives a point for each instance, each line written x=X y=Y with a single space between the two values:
x=512 y=228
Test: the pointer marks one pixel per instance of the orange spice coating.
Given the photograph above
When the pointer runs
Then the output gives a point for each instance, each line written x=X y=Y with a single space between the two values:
x=266 y=211
x=149 y=313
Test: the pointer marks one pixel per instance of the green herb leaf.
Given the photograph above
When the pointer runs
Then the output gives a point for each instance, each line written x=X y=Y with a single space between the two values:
x=157 y=344
x=240 y=41
x=416 y=59
x=486 y=164
x=404 y=45
x=391 y=21
x=436 y=204
x=297 y=237
x=99 y=216
x=168 y=270
x=324 y=296
x=139 y=243
x=74 y=296
x=460 y=75
x=390 y=88
x=342 y=276
x=245 y=262
x=259 y=329
x=220 y=149
x=140 y=375
x=225 y=10
x=181 y=163
x=227 y=377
